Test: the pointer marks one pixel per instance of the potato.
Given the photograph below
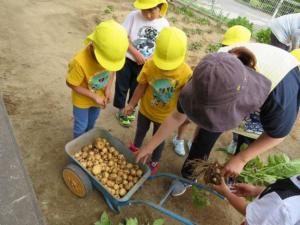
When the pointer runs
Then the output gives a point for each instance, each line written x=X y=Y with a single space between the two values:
x=104 y=180
x=110 y=163
x=113 y=176
x=125 y=182
x=132 y=172
x=139 y=172
x=122 y=192
x=90 y=146
x=130 y=178
x=129 y=166
x=135 y=180
x=84 y=164
x=125 y=176
x=119 y=180
x=91 y=153
x=84 y=155
x=116 y=187
x=106 y=174
x=104 y=150
x=96 y=170
x=90 y=164
x=100 y=145
x=110 y=183
x=85 y=148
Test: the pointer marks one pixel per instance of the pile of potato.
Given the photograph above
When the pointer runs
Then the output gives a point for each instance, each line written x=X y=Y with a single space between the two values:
x=109 y=167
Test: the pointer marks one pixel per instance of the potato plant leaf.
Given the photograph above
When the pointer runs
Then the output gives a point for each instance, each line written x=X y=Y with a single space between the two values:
x=104 y=220
x=159 y=222
x=132 y=221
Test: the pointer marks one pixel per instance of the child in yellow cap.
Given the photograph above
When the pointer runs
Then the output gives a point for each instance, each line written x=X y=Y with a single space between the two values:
x=89 y=74
x=143 y=26
x=159 y=85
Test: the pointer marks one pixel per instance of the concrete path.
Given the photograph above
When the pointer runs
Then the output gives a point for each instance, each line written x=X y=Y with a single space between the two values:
x=18 y=204
x=234 y=9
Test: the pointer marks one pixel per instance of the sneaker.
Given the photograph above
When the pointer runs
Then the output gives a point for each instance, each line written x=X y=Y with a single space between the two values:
x=179 y=188
x=178 y=146
x=131 y=117
x=231 y=149
x=133 y=148
x=153 y=166
x=123 y=120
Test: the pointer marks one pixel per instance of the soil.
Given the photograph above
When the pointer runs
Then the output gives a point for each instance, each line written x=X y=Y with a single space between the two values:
x=37 y=39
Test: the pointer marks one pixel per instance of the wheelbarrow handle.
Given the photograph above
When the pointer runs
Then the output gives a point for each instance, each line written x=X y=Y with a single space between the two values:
x=187 y=181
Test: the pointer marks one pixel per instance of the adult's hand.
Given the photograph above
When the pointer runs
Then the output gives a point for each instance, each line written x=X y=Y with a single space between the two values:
x=142 y=155
x=234 y=166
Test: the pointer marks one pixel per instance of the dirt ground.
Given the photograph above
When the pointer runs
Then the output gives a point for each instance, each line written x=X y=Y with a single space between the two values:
x=37 y=39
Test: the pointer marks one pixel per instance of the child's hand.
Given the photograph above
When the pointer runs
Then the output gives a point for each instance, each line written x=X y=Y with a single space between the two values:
x=100 y=101
x=245 y=190
x=128 y=110
x=140 y=59
x=221 y=188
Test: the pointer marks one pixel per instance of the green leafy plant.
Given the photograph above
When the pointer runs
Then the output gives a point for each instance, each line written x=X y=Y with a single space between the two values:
x=109 y=9
x=194 y=46
x=243 y=21
x=200 y=198
x=278 y=166
x=263 y=36
x=104 y=220
x=213 y=47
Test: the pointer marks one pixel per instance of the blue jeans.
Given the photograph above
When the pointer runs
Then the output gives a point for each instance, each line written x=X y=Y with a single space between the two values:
x=84 y=119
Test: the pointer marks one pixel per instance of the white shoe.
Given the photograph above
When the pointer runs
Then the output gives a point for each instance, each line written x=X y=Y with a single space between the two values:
x=231 y=149
x=178 y=146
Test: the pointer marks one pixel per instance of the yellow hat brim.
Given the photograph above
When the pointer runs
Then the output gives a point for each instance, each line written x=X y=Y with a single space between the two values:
x=167 y=64
x=141 y=6
x=108 y=64
x=102 y=60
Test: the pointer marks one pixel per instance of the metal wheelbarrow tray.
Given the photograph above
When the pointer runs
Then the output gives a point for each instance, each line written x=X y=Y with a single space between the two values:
x=80 y=181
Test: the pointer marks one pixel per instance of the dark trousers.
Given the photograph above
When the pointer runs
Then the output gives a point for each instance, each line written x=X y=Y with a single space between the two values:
x=126 y=80
x=200 y=149
x=275 y=42
x=143 y=125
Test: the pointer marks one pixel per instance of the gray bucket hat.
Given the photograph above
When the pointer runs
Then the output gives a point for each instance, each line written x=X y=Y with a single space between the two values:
x=222 y=92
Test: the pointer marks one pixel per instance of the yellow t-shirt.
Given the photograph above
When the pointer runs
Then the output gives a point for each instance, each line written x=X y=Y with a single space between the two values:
x=163 y=89
x=86 y=72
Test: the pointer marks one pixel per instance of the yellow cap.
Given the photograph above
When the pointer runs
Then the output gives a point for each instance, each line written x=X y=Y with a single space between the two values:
x=148 y=4
x=296 y=53
x=236 y=34
x=110 y=44
x=170 y=50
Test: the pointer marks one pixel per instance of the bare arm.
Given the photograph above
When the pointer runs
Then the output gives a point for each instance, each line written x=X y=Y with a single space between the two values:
x=86 y=92
x=261 y=145
x=138 y=93
x=164 y=131
x=240 y=204
x=140 y=59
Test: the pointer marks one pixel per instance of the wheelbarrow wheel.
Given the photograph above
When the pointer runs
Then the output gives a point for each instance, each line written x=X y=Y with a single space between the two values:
x=77 y=180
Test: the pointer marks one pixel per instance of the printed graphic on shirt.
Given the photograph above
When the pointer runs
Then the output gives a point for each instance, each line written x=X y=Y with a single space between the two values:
x=99 y=81
x=163 y=91
x=145 y=43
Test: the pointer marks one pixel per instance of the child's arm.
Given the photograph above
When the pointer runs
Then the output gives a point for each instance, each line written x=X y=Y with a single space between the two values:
x=107 y=91
x=86 y=92
x=138 y=93
x=240 y=204
x=140 y=59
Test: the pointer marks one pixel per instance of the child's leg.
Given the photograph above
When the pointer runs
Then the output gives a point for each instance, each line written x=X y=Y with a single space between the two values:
x=182 y=129
x=143 y=124
x=80 y=121
x=156 y=155
x=122 y=85
x=93 y=115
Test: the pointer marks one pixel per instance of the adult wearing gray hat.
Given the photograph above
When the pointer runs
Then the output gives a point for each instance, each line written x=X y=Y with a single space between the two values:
x=286 y=31
x=222 y=92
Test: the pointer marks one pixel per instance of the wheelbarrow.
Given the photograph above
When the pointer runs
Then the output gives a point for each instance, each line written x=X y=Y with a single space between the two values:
x=80 y=181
